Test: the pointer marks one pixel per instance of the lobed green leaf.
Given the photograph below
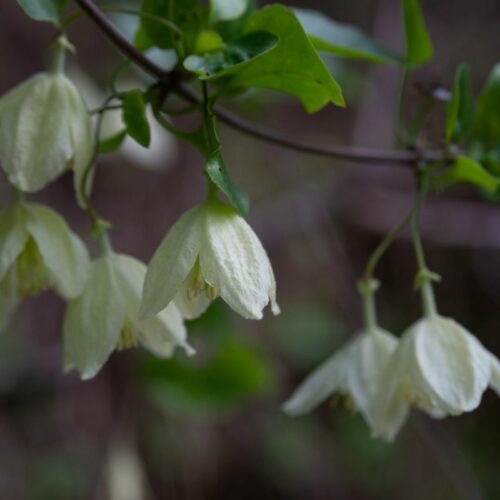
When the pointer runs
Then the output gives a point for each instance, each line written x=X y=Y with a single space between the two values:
x=293 y=67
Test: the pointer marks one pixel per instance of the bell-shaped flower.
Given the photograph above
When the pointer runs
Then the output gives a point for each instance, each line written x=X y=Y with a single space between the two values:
x=38 y=251
x=354 y=372
x=45 y=129
x=210 y=251
x=438 y=367
x=105 y=317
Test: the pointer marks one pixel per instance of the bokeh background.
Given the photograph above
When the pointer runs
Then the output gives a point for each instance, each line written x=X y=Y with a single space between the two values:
x=210 y=427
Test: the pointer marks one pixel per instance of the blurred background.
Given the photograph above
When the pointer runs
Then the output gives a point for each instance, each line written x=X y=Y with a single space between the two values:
x=210 y=427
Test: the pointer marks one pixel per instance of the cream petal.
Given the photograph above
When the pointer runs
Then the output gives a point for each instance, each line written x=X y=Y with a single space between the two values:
x=64 y=254
x=161 y=333
x=13 y=236
x=93 y=322
x=234 y=262
x=171 y=263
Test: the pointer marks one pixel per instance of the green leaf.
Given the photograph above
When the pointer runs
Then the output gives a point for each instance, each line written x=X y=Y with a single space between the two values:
x=460 y=110
x=343 y=39
x=467 y=170
x=134 y=117
x=227 y=10
x=418 y=43
x=486 y=127
x=43 y=10
x=216 y=171
x=233 y=57
x=293 y=67
x=111 y=144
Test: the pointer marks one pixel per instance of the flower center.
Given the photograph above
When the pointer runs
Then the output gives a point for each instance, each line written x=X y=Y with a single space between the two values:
x=128 y=337
x=198 y=286
x=344 y=399
x=33 y=275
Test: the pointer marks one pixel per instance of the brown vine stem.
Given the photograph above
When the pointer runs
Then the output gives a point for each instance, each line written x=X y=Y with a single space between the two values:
x=350 y=153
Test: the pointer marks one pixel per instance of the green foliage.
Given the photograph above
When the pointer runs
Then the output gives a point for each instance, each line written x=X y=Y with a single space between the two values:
x=134 y=117
x=230 y=373
x=343 y=39
x=465 y=169
x=226 y=10
x=460 y=110
x=217 y=172
x=111 y=144
x=486 y=127
x=293 y=67
x=419 y=48
x=184 y=14
x=43 y=10
x=233 y=57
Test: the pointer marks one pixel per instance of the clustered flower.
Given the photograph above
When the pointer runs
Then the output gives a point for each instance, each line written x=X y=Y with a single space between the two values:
x=116 y=302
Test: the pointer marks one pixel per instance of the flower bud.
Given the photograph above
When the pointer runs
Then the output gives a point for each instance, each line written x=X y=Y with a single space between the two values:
x=105 y=317
x=45 y=129
x=211 y=251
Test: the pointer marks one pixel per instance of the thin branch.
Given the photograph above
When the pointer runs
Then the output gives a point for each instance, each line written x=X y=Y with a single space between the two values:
x=352 y=153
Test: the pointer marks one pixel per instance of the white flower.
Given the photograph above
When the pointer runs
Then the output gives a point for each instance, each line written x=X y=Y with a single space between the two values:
x=438 y=367
x=355 y=372
x=45 y=129
x=38 y=251
x=211 y=251
x=105 y=317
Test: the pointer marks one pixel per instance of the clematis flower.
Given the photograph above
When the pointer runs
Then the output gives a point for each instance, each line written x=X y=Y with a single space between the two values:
x=354 y=372
x=38 y=251
x=105 y=317
x=438 y=367
x=45 y=129
x=211 y=251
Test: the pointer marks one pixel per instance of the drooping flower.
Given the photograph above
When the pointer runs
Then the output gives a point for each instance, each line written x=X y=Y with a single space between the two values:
x=105 y=317
x=45 y=129
x=211 y=251
x=354 y=372
x=438 y=367
x=38 y=251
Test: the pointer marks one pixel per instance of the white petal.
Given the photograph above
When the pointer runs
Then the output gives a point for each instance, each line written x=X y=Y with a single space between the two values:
x=370 y=356
x=495 y=374
x=320 y=384
x=94 y=321
x=35 y=146
x=234 y=262
x=161 y=333
x=64 y=254
x=171 y=263
x=452 y=363
x=13 y=236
